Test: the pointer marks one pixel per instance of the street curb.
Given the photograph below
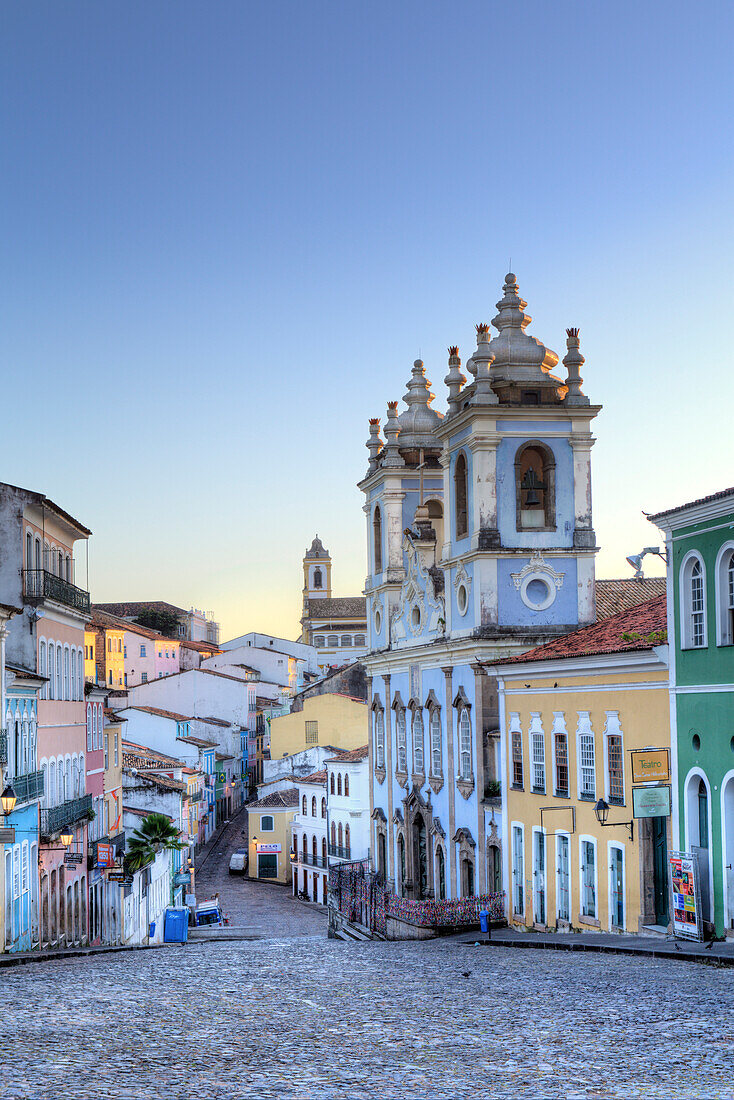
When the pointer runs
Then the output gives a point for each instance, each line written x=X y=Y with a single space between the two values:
x=609 y=949
x=80 y=953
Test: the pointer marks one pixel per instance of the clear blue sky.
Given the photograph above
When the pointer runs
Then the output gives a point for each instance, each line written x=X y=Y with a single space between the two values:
x=229 y=228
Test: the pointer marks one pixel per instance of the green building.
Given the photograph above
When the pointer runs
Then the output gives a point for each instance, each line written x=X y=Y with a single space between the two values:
x=700 y=545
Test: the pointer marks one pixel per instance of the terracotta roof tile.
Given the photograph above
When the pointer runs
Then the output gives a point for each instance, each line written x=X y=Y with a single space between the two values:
x=147 y=757
x=338 y=607
x=613 y=596
x=164 y=713
x=646 y=619
x=283 y=800
x=351 y=757
x=314 y=777
x=692 y=504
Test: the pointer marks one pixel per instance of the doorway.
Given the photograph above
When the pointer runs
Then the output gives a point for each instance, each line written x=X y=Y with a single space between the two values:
x=564 y=878
x=660 y=868
x=616 y=887
x=539 y=878
x=420 y=857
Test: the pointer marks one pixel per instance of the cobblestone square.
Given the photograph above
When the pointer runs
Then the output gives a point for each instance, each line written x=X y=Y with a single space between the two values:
x=308 y=1017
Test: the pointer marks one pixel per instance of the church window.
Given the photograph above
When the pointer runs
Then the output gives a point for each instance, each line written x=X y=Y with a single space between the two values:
x=435 y=514
x=304 y=806
x=346 y=786
x=535 y=487
x=339 y=784
x=461 y=497
x=359 y=639
x=317 y=579
x=436 y=755
x=377 y=532
x=465 y=745
x=380 y=739
x=401 y=740
x=318 y=641
x=418 y=764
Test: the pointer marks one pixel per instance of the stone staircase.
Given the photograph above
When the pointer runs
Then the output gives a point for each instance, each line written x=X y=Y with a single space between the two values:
x=353 y=931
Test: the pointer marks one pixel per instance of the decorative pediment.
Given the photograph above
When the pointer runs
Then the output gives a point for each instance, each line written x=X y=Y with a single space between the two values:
x=397 y=702
x=537 y=564
x=377 y=702
x=437 y=828
x=432 y=702
x=414 y=799
x=378 y=814
x=463 y=836
x=397 y=818
x=462 y=577
x=421 y=608
x=461 y=699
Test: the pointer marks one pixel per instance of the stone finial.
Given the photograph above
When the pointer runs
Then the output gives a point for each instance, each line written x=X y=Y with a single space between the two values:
x=374 y=443
x=511 y=307
x=479 y=365
x=390 y=454
x=454 y=380
x=573 y=361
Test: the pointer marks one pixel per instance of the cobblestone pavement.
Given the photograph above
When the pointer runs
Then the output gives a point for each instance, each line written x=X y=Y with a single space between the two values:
x=263 y=905
x=310 y=1017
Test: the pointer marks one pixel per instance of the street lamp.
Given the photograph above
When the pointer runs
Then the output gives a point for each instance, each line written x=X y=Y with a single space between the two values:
x=601 y=809
x=635 y=560
x=66 y=837
x=8 y=800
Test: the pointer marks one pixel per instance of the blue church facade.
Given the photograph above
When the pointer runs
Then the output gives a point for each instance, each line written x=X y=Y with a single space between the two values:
x=480 y=545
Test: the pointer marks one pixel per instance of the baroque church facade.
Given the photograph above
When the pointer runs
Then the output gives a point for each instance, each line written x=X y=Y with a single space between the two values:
x=480 y=546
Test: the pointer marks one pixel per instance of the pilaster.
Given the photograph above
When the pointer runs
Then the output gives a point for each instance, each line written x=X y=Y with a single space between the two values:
x=583 y=535
x=388 y=765
x=450 y=846
x=481 y=856
x=485 y=535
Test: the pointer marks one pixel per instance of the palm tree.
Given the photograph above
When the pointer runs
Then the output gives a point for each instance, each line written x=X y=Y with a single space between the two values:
x=155 y=834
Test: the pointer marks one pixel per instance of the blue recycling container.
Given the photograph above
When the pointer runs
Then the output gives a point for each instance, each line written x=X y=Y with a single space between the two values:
x=176 y=926
x=484 y=920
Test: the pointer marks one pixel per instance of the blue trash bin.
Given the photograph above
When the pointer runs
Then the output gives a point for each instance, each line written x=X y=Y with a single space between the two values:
x=151 y=930
x=176 y=926
x=484 y=920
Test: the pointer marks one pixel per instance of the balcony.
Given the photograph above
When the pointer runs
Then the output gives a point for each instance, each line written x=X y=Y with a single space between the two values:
x=27 y=787
x=54 y=819
x=341 y=853
x=39 y=584
x=311 y=860
x=195 y=796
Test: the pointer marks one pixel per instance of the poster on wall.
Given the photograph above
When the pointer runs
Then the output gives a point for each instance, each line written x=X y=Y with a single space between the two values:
x=685 y=895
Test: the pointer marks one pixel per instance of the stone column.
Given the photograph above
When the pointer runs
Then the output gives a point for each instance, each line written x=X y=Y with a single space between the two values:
x=481 y=857
x=392 y=500
x=485 y=534
x=371 y=773
x=583 y=535
x=390 y=846
x=451 y=780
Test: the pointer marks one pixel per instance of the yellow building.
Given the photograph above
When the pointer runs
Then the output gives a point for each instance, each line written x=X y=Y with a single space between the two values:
x=104 y=655
x=269 y=826
x=335 y=720
x=586 y=841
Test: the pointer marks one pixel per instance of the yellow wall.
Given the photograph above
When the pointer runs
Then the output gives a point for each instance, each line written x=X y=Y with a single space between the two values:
x=342 y=722
x=90 y=653
x=113 y=776
x=114 y=658
x=644 y=719
x=281 y=834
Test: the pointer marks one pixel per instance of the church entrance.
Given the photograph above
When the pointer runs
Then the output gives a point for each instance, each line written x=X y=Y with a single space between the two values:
x=420 y=856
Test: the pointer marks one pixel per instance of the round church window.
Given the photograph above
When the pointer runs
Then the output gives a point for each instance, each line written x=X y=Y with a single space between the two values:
x=378 y=622
x=462 y=599
x=537 y=592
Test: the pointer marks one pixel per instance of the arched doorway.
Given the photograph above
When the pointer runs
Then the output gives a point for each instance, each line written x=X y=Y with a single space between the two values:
x=420 y=856
x=698 y=833
x=401 y=866
x=727 y=814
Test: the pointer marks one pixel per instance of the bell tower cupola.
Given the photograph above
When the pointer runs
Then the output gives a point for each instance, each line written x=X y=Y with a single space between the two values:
x=317 y=572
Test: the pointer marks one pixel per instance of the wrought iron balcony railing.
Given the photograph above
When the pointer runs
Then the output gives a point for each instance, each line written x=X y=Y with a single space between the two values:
x=342 y=853
x=27 y=787
x=68 y=813
x=195 y=796
x=311 y=860
x=39 y=584
x=3 y=746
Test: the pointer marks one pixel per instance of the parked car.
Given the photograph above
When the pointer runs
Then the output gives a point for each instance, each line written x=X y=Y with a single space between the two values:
x=238 y=862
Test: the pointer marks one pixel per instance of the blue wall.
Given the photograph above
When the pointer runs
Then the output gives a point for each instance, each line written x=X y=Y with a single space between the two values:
x=507 y=500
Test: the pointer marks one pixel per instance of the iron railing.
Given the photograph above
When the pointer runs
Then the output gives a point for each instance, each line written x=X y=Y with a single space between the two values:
x=3 y=746
x=342 y=853
x=55 y=818
x=311 y=860
x=27 y=787
x=195 y=796
x=39 y=584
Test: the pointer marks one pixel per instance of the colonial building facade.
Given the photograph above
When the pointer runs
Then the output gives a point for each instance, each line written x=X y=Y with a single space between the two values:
x=334 y=625
x=480 y=545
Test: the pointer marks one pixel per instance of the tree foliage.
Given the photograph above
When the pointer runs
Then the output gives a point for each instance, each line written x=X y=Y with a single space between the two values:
x=166 y=622
x=155 y=834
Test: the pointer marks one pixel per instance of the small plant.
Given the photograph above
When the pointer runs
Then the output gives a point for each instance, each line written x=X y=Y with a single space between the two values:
x=494 y=788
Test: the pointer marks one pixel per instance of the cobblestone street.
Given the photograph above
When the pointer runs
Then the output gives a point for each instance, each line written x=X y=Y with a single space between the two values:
x=309 y=1017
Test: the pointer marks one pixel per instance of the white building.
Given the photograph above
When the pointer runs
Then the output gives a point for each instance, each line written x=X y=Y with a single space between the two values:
x=300 y=650
x=309 y=833
x=348 y=805
x=270 y=665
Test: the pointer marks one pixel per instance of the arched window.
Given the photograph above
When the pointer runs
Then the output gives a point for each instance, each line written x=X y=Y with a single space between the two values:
x=318 y=580
x=401 y=740
x=461 y=496
x=59 y=685
x=90 y=743
x=314 y=849
x=377 y=532
x=80 y=675
x=304 y=806
x=435 y=514
x=441 y=874
x=339 y=783
x=346 y=640
x=725 y=595
x=313 y=806
x=323 y=807
x=333 y=834
x=379 y=739
x=42 y=666
x=51 y=687
x=418 y=763
x=304 y=847
x=38 y=554
x=347 y=839
x=693 y=601
x=67 y=685
x=465 y=745
x=341 y=835
x=61 y=563
x=346 y=786
x=332 y=783
x=68 y=568
x=703 y=815
x=359 y=639
x=323 y=850
x=318 y=641
x=28 y=550
x=436 y=754
x=51 y=797
x=95 y=740
x=535 y=487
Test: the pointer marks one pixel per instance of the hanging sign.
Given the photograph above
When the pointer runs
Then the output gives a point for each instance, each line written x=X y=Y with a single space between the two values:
x=182 y=878
x=7 y=836
x=650 y=765
x=651 y=801
x=267 y=849
x=105 y=855
x=73 y=857
x=686 y=895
